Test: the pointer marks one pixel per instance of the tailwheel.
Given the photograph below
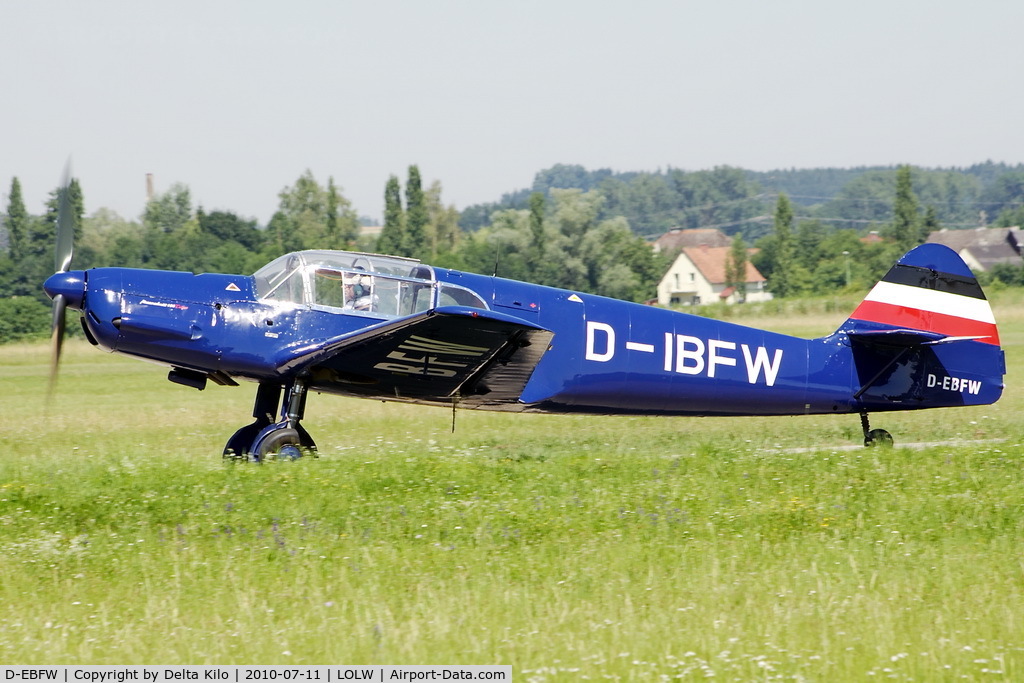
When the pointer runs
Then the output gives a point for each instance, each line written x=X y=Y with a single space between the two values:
x=874 y=437
x=878 y=438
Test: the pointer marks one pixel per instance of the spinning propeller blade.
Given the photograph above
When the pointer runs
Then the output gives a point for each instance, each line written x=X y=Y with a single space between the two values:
x=56 y=339
x=64 y=247
x=62 y=254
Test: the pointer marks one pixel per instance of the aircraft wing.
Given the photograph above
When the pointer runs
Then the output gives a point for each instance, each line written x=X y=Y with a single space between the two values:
x=477 y=357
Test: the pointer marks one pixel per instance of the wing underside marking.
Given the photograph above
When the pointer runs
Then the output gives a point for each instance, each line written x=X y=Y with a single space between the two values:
x=475 y=358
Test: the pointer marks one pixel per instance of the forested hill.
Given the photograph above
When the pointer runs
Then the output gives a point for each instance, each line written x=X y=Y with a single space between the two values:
x=741 y=201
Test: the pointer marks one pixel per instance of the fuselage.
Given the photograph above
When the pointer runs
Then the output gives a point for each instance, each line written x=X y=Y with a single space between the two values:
x=605 y=355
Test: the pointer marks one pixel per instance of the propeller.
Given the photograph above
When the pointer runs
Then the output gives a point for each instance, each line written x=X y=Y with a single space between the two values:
x=62 y=253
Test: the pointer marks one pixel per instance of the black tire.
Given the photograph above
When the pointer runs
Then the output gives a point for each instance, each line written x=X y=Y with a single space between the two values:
x=281 y=444
x=879 y=438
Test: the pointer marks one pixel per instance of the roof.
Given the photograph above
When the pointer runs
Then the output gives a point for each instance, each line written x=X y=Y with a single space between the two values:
x=710 y=261
x=674 y=240
x=987 y=246
x=989 y=255
x=978 y=237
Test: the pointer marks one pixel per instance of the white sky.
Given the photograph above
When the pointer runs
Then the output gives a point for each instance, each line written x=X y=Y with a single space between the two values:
x=237 y=98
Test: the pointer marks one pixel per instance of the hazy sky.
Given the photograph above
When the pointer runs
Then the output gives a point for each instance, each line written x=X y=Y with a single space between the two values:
x=236 y=99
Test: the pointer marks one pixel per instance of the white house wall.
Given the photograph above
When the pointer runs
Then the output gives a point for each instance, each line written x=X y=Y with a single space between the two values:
x=684 y=281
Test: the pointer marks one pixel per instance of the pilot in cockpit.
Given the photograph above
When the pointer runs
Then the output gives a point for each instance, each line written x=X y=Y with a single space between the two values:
x=358 y=292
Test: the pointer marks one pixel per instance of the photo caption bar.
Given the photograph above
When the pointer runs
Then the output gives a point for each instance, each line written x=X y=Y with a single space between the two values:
x=374 y=673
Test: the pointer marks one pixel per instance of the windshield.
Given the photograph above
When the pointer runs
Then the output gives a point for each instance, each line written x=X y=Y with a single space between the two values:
x=281 y=279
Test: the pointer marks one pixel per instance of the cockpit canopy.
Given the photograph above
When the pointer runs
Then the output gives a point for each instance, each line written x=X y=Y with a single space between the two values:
x=380 y=286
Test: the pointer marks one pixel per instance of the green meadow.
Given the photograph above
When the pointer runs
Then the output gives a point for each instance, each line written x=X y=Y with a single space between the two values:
x=571 y=548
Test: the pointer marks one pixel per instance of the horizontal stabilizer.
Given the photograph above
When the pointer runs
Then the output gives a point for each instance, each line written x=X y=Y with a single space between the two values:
x=904 y=337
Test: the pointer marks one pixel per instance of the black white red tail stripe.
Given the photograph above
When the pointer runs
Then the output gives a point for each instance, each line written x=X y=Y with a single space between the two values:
x=922 y=298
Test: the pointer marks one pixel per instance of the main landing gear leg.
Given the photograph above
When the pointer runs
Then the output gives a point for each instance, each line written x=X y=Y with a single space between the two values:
x=287 y=438
x=874 y=437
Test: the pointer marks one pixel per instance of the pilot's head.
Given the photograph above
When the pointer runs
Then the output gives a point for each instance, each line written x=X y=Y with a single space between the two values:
x=354 y=285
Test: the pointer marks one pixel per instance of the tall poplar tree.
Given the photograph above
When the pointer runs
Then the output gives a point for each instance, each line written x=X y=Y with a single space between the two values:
x=931 y=223
x=415 y=243
x=331 y=215
x=780 y=283
x=736 y=268
x=43 y=233
x=392 y=236
x=540 y=268
x=907 y=225
x=17 y=223
x=537 y=221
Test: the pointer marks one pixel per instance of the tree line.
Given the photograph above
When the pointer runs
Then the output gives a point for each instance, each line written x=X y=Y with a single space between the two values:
x=809 y=257
x=576 y=229
x=740 y=201
x=559 y=240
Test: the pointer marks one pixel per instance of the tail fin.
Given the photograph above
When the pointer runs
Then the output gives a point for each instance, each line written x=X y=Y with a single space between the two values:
x=925 y=336
x=929 y=295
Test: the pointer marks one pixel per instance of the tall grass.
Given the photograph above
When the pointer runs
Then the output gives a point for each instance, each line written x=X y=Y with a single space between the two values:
x=568 y=547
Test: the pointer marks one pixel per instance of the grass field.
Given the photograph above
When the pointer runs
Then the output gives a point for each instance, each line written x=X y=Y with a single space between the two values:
x=568 y=547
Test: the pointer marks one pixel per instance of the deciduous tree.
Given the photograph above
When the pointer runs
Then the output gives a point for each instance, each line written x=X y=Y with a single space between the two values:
x=342 y=223
x=169 y=211
x=443 y=227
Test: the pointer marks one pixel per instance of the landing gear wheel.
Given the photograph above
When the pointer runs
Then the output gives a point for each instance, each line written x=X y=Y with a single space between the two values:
x=878 y=438
x=280 y=444
x=874 y=437
x=265 y=439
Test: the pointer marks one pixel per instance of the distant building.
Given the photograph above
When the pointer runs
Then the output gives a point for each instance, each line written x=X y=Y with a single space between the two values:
x=370 y=230
x=678 y=239
x=697 y=276
x=982 y=248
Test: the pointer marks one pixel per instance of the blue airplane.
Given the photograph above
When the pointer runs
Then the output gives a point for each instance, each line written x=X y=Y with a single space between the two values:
x=395 y=329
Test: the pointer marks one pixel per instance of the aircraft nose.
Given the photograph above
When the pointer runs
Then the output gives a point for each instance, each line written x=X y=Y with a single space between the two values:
x=71 y=284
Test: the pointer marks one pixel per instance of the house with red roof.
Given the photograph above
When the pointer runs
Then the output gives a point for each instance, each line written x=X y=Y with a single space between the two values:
x=697 y=274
